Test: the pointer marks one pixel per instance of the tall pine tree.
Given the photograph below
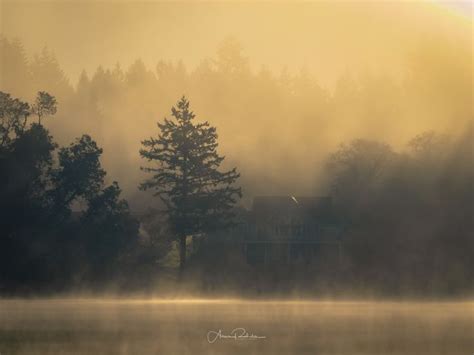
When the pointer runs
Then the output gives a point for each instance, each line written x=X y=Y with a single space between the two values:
x=198 y=197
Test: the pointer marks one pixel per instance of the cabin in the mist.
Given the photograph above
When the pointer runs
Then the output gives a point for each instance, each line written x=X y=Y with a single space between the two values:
x=288 y=229
x=277 y=231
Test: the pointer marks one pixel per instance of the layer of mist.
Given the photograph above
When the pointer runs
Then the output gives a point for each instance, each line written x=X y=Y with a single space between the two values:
x=107 y=326
x=323 y=82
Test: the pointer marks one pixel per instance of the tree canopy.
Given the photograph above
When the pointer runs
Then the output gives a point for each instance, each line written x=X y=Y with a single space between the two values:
x=40 y=240
x=186 y=177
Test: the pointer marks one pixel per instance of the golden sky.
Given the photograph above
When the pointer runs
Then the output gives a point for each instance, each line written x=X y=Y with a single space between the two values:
x=326 y=37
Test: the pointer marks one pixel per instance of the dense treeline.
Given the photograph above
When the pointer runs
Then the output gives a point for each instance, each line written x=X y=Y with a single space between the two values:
x=409 y=214
x=408 y=217
x=408 y=208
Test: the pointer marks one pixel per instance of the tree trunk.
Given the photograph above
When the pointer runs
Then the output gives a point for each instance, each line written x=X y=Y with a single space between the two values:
x=182 y=254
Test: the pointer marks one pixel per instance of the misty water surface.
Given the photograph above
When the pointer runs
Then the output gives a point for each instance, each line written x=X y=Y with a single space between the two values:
x=80 y=326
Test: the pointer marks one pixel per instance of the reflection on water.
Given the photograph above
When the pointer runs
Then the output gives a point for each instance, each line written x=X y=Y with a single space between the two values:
x=80 y=326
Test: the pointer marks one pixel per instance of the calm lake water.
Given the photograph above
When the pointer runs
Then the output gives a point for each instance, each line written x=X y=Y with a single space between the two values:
x=88 y=326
